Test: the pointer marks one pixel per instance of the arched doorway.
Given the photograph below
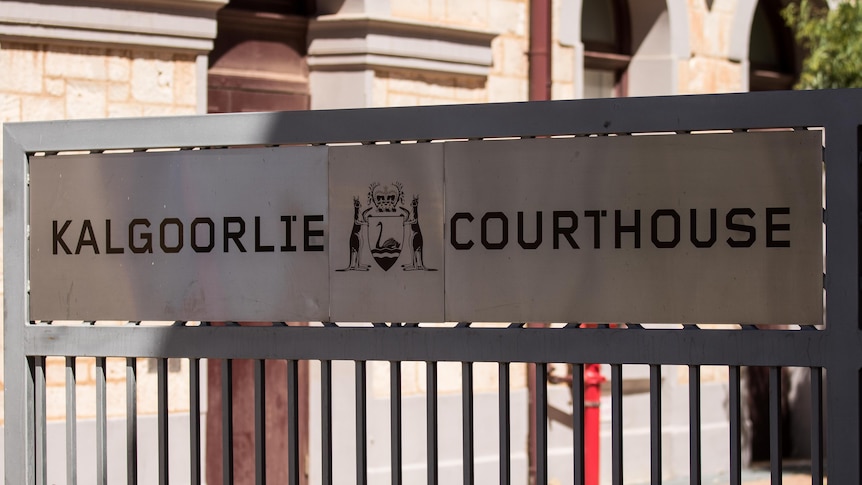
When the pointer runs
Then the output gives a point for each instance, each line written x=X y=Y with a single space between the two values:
x=772 y=53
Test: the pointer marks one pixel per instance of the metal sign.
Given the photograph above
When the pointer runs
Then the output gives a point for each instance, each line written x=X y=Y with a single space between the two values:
x=191 y=235
x=699 y=228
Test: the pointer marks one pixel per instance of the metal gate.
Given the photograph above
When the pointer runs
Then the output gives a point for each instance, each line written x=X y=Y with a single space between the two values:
x=833 y=348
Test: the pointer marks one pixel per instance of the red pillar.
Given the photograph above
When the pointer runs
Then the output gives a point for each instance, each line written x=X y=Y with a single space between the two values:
x=593 y=380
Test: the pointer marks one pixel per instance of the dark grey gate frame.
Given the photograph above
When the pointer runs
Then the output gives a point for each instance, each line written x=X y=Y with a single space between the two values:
x=837 y=348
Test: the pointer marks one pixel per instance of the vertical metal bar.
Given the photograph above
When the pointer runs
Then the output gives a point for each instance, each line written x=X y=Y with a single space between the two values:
x=195 y=421
x=293 y=422
x=71 y=423
x=162 y=397
x=361 y=424
x=655 y=423
x=395 y=420
x=101 y=424
x=505 y=424
x=694 y=429
x=844 y=429
x=227 y=421
x=431 y=422
x=816 y=426
x=541 y=423
x=260 y=422
x=131 y=421
x=326 y=421
x=19 y=378
x=617 y=424
x=467 y=421
x=578 y=448
x=775 y=448
x=41 y=423
x=735 y=426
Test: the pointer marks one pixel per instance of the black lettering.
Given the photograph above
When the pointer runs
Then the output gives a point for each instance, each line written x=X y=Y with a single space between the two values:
x=147 y=237
x=179 y=225
x=87 y=238
x=538 y=241
x=453 y=233
x=288 y=230
x=597 y=227
x=619 y=228
x=676 y=232
x=712 y=225
x=211 y=241
x=57 y=237
x=310 y=233
x=258 y=248
x=233 y=235
x=108 y=248
x=771 y=227
x=565 y=231
x=504 y=239
x=752 y=232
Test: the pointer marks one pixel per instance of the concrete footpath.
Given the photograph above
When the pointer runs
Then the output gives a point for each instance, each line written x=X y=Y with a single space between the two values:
x=757 y=476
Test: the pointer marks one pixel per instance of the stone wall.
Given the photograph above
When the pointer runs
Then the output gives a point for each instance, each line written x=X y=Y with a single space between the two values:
x=48 y=82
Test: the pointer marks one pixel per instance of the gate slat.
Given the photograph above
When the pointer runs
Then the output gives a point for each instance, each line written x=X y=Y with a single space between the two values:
x=431 y=422
x=162 y=397
x=694 y=424
x=467 y=421
x=395 y=420
x=361 y=424
x=542 y=423
x=505 y=424
x=260 y=422
x=326 y=421
x=617 y=424
x=227 y=421
x=41 y=423
x=735 y=426
x=71 y=423
x=578 y=447
x=293 y=463
x=195 y=421
x=816 y=426
x=775 y=431
x=655 y=423
x=101 y=423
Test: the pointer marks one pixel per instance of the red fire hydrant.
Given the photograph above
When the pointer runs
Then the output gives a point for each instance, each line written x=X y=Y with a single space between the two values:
x=593 y=380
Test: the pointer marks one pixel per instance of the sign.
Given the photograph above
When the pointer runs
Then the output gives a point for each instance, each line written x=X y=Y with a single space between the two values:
x=712 y=228
x=190 y=235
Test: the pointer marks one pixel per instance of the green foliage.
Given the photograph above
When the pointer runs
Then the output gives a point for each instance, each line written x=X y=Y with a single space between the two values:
x=833 y=39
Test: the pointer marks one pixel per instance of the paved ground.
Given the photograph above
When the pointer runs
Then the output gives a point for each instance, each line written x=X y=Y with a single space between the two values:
x=793 y=475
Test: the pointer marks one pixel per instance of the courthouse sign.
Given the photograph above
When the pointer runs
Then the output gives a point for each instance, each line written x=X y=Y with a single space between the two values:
x=717 y=228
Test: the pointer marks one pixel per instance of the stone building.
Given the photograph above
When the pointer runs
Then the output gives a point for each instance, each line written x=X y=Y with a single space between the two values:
x=70 y=59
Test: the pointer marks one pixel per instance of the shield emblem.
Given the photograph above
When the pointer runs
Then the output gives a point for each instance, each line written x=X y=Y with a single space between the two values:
x=385 y=237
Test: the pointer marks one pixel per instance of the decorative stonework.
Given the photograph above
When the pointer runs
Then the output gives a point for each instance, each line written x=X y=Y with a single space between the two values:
x=177 y=25
x=354 y=43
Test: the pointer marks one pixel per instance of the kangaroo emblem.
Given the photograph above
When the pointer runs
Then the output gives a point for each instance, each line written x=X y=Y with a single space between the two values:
x=416 y=242
x=356 y=240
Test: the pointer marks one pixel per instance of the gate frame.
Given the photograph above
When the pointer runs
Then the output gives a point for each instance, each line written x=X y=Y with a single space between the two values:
x=837 y=347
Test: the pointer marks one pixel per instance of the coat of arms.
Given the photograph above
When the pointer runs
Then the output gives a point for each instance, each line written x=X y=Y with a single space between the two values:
x=386 y=225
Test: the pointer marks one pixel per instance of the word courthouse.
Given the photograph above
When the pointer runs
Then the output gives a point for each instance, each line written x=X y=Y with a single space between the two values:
x=715 y=228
